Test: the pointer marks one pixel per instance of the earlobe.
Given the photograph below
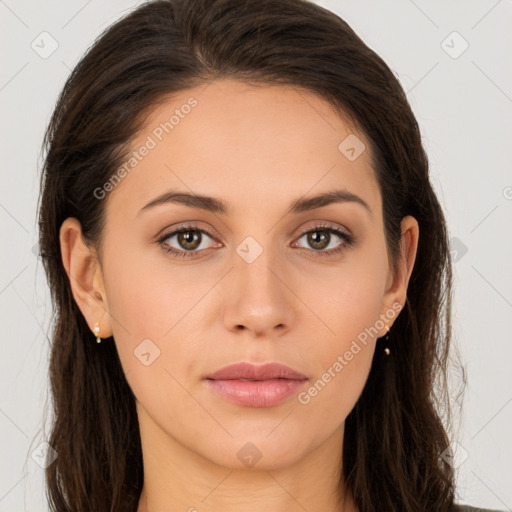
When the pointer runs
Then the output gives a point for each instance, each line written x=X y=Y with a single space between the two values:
x=85 y=276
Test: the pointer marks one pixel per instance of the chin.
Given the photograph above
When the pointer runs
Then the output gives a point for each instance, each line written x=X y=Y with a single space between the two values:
x=257 y=452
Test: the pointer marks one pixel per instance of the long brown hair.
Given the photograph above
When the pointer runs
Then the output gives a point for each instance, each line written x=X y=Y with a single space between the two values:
x=396 y=435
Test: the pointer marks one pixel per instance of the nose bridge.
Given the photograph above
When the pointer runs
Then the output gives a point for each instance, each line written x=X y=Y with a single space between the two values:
x=256 y=267
x=260 y=299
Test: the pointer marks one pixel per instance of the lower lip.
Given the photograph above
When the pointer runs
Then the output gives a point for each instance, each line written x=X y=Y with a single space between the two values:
x=260 y=393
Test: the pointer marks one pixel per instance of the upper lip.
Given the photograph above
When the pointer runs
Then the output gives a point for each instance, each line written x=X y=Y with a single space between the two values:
x=256 y=372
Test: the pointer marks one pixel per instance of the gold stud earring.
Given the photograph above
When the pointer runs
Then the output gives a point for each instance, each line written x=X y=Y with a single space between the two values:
x=97 y=332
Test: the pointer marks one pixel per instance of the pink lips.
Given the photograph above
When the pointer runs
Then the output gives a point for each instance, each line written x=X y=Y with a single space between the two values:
x=256 y=386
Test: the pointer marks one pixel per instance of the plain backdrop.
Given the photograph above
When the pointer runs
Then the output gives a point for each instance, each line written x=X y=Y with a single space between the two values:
x=453 y=60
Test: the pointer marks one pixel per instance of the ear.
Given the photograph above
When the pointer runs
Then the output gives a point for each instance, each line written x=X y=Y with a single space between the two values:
x=85 y=277
x=396 y=288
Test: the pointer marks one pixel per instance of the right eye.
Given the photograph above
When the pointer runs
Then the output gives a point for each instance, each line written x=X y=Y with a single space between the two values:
x=189 y=240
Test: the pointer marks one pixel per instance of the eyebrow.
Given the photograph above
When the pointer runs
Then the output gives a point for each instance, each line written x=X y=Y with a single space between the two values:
x=215 y=205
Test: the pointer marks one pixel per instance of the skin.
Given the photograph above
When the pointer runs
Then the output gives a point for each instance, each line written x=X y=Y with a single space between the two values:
x=258 y=149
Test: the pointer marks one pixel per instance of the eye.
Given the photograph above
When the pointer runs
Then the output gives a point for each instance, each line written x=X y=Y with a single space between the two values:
x=319 y=237
x=189 y=239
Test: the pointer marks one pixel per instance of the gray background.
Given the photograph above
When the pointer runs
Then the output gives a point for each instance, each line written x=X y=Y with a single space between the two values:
x=463 y=103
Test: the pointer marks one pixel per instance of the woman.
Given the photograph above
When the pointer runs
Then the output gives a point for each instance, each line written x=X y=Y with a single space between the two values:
x=250 y=271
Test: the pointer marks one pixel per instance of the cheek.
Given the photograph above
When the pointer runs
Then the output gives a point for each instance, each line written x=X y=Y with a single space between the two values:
x=155 y=310
x=348 y=322
x=332 y=395
x=349 y=305
x=147 y=296
x=141 y=305
x=342 y=363
x=134 y=297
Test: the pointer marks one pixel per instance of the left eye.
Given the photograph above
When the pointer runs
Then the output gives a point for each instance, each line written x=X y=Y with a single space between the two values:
x=320 y=238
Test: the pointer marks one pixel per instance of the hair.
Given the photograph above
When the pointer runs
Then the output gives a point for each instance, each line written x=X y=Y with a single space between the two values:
x=397 y=433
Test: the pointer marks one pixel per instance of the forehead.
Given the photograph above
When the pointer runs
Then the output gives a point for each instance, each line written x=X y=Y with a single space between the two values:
x=249 y=144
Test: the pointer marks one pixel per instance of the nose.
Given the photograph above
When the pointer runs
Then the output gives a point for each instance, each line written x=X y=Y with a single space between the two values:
x=260 y=298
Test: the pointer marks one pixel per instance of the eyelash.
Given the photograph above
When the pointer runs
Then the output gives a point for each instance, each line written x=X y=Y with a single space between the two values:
x=348 y=240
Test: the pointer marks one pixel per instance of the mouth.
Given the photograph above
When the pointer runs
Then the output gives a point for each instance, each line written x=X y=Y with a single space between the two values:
x=249 y=371
x=252 y=385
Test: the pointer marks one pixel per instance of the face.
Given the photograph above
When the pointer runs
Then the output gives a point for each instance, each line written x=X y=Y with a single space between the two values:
x=255 y=281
